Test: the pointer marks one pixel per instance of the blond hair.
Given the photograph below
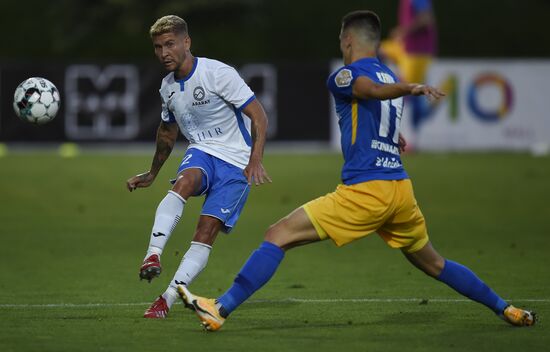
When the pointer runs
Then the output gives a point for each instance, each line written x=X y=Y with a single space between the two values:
x=168 y=24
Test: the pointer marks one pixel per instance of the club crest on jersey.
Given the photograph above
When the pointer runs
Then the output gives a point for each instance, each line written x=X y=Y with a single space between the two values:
x=199 y=95
x=343 y=78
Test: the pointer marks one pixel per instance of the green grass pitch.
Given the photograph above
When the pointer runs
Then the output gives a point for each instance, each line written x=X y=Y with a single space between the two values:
x=73 y=239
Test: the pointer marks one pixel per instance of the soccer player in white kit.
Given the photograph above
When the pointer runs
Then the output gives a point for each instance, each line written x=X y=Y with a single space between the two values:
x=226 y=127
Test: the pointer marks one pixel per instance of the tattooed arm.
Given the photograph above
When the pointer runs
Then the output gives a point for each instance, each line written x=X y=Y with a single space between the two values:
x=167 y=134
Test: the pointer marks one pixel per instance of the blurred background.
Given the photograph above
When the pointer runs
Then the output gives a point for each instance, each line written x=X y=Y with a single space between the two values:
x=491 y=57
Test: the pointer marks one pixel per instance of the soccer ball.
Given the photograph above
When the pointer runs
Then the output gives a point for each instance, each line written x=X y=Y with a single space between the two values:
x=36 y=100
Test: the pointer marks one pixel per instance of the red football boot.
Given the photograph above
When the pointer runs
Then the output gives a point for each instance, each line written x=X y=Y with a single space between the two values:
x=150 y=268
x=158 y=310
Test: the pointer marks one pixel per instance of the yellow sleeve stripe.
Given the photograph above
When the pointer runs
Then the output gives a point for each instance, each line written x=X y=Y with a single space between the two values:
x=353 y=121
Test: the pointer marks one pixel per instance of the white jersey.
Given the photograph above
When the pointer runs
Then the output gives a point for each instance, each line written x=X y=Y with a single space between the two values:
x=207 y=106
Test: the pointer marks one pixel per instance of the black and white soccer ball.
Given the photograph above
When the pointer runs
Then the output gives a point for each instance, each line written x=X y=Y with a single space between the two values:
x=36 y=100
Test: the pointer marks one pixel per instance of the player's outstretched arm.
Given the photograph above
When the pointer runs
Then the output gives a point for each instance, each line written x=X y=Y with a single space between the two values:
x=365 y=88
x=167 y=134
x=255 y=171
x=429 y=91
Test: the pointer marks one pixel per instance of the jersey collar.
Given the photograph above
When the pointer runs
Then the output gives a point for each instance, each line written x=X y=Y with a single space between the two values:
x=368 y=59
x=195 y=62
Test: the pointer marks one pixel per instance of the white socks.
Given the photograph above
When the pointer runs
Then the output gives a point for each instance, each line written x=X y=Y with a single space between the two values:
x=191 y=265
x=166 y=218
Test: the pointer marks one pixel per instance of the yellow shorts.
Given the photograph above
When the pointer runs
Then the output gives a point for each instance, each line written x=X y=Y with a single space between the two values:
x=412 y=67
x=386 y=207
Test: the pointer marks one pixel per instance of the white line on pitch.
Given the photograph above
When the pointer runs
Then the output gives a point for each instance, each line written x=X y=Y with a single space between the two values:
x=383 y=300
x=284 y=300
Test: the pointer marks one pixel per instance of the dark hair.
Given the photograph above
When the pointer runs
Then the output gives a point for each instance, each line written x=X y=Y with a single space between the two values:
x=366 y=22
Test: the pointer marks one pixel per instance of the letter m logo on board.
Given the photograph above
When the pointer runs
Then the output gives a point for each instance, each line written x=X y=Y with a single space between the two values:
x=101 y=103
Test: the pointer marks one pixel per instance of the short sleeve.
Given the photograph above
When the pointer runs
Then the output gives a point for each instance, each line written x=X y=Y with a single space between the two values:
x=341 y=82
x=232 y=88
x=421 y=5
x=166 y=115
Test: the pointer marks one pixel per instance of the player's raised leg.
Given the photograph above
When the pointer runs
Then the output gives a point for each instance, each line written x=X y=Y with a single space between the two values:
x=294 y=230
x=167 y=217
x=464 y=281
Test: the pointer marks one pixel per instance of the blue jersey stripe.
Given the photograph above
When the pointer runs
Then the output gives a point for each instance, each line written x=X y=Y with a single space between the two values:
x=242 y=127
x=186 y=78
x=248 y=101
x=171 y=117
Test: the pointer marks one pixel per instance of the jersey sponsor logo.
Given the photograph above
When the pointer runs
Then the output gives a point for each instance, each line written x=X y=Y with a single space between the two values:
x=225 y=211
x=204 y=102
x=384 y=147
x=208 y=134
x=391 y=163
x=343 y=78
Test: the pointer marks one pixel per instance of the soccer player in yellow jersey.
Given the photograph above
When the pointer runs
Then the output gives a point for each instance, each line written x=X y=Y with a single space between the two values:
x=376 y=194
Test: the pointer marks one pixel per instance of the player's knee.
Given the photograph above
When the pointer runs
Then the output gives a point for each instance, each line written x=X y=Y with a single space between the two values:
x=435 y=267
x=271 y=233
x=185 y=186
x=438 y=266
x=276 y=234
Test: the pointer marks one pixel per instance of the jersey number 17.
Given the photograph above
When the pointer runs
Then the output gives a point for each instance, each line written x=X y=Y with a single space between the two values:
x=386 y=113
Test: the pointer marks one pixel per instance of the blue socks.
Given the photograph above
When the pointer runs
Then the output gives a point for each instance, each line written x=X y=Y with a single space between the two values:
x=259 y=268
x=263 y=263
x=465 y=282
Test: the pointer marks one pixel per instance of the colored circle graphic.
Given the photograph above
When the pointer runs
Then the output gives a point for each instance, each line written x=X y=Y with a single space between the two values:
x=507 y=97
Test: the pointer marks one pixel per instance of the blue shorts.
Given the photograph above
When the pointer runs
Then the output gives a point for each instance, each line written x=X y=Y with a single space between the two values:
x=225 y=186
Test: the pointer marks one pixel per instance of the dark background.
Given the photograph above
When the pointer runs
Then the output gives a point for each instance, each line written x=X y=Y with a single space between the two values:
x=303 y=114
x=261 y=30
x=299 y=38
